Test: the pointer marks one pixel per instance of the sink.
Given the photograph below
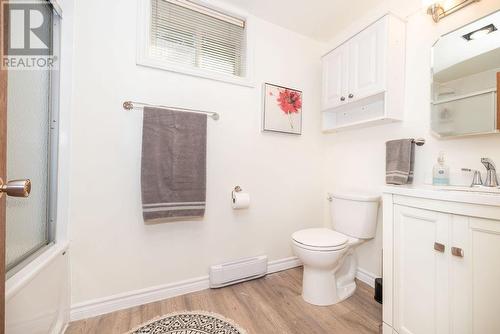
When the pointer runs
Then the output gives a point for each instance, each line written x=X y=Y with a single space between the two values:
x=474 y=189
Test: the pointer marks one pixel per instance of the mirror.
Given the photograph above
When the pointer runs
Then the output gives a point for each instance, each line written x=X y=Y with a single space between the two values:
x=465 y=80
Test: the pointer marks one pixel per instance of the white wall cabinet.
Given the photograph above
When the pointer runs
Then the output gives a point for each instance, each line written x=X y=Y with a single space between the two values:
x=441 y=262
x=335 y=77
x=363 y=78
x=367 y=62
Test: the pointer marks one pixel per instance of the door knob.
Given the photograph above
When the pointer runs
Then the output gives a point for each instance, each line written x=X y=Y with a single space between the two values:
x=16 y=188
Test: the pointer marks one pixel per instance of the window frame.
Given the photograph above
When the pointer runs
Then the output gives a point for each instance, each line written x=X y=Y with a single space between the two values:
x=144 y=57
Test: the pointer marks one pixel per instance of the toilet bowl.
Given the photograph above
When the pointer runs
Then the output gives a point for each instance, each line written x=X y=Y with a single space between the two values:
x=327 y=254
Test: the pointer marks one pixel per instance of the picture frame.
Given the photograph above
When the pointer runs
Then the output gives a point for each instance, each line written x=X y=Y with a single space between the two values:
x=282 y=109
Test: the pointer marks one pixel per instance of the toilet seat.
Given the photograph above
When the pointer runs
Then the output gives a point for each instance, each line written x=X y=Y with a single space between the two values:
x=320 y=239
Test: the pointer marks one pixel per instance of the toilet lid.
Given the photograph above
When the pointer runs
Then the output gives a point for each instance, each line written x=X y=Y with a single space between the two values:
x=320 y=237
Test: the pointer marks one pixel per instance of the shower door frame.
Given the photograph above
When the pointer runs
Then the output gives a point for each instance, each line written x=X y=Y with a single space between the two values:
x=37 y=274
x=52 y=154
x=3 y=175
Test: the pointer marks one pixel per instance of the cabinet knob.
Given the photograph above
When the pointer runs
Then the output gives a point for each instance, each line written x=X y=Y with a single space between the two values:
x=457 y=251
x=342 y=98
x=439 y=247
x=351 y=96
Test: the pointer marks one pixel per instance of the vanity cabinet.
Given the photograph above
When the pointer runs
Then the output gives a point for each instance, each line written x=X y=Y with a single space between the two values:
x=441 y=262
x=363 y=78
x=419 y=270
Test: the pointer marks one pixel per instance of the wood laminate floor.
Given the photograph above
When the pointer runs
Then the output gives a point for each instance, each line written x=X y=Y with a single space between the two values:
x=269 y=305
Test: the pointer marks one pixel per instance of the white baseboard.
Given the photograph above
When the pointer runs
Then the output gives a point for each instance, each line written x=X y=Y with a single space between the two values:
x=366 y=277
x=121 y=301
x=125 y=300
x=283 y=264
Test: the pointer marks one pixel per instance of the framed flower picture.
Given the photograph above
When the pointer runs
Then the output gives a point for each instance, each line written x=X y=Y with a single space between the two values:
x=282 y=109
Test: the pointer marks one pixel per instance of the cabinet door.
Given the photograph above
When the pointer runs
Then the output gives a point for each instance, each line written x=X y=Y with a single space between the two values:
x=367 y=62
x=420 y=271
x=335 y=78
x=475 y=277
x=460 y=276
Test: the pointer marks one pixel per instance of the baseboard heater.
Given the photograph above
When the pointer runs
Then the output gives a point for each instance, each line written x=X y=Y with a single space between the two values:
x=237 y=271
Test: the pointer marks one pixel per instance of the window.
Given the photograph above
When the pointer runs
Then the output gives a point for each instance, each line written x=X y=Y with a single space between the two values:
x=187 y=37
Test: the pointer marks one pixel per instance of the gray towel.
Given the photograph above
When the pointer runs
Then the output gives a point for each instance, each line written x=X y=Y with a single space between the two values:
x=173 y=171
x=399 y=161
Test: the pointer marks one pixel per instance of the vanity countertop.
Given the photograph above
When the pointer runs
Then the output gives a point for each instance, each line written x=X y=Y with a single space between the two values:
x=452 y=194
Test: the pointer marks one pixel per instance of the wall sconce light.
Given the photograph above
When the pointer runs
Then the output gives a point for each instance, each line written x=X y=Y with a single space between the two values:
x=442 y=8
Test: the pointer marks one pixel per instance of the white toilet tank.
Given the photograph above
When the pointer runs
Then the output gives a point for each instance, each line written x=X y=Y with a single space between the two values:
x=354 y=215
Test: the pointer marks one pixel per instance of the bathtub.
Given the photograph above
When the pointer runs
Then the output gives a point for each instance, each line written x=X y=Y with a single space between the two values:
x=37 y=298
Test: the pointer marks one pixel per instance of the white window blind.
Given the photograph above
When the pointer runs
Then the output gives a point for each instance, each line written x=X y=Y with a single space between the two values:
x=189 y=35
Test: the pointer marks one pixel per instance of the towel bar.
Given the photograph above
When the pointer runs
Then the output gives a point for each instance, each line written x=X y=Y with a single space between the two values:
x=419 y=141
x=130 y=105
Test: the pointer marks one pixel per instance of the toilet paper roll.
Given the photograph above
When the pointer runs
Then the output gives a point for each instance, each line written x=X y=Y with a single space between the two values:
x=240 y=200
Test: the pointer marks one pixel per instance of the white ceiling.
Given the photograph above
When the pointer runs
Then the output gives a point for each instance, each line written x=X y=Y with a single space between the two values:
x=318 y=19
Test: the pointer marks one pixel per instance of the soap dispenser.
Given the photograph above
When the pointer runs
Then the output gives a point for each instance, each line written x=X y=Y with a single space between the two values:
x=440 y=172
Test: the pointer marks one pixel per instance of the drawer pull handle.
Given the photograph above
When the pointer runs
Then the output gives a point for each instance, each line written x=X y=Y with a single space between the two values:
x=439 y=247
x=457 y=251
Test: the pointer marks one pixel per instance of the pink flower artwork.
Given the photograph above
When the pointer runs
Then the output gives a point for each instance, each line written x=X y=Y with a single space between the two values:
x=290 y=101
x=282 y=109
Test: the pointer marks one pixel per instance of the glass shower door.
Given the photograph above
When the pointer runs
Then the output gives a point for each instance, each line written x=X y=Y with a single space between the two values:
x=27 y=156
x=31 y=124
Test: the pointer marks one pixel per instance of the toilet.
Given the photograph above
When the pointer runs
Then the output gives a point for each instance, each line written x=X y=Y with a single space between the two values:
x=327 y=254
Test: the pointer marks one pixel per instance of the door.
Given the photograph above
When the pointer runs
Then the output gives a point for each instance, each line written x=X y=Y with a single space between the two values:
x=335 y=78
x=28 y=121
x=460 y=276
x=477 y=277
x=366 y=61
x=3 y=155
x=420 y=271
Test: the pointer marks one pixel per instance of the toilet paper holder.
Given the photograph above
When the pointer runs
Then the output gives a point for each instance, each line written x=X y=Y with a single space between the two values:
x=236 y=189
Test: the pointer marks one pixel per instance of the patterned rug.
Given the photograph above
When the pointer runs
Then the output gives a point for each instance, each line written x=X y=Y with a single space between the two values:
x=198 y=322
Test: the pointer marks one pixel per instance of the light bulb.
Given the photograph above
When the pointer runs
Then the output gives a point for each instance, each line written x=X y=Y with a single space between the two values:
x=480 y=34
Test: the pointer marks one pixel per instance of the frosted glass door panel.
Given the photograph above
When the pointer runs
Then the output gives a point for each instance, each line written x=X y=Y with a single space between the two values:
x=475 y=114
x=28 y=116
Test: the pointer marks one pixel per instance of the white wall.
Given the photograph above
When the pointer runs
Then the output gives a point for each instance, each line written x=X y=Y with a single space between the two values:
x=355 y=160
x=113 y=251
x=287 y=176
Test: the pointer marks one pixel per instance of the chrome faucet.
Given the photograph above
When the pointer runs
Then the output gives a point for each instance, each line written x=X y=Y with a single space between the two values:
x=491 y=173
x=476 y=179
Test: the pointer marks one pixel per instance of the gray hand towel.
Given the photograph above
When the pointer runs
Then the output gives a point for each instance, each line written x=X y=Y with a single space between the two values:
x=173 y=171
x=400 y=161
